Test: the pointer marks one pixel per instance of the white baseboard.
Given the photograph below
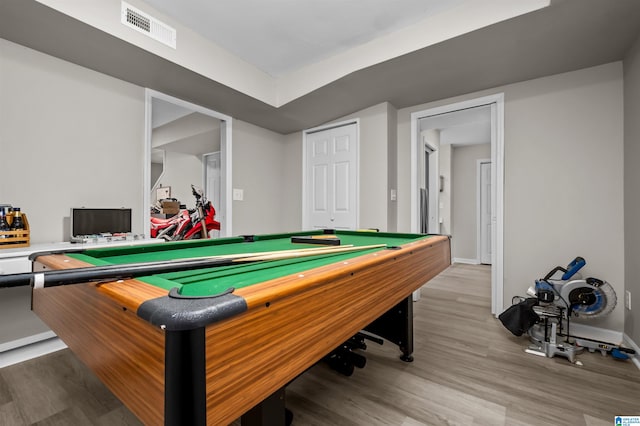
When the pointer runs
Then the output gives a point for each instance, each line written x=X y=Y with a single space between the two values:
x=633 y=345
x=595 y=333
x=25 y=341
x=31 y=351
x=468 y=261
x=606 y=335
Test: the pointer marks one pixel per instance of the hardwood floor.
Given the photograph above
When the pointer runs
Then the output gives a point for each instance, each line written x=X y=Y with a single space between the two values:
x=468 y=370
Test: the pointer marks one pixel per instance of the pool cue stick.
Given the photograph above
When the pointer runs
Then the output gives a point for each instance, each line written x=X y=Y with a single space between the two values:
x=134 y=270
x=292 y=254
x=317 y=250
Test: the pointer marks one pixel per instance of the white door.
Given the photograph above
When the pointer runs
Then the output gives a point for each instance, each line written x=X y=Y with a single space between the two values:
x=213 y=181
x=331 y=178
x=485 y=213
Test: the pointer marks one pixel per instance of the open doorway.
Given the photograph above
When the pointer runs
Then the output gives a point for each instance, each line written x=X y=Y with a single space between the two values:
x=179 y=140
x=429 y=211
x=458 y=214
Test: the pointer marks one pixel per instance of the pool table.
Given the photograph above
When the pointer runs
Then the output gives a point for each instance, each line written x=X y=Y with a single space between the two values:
x=209 y=346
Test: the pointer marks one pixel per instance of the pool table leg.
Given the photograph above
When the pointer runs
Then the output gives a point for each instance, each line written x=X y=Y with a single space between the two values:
x=185 y=387
x=396 y=325
x=270 y=412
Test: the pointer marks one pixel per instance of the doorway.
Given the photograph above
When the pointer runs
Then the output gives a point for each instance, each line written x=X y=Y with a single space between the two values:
x=496 y=105
x=177 y=109
x=429 y=218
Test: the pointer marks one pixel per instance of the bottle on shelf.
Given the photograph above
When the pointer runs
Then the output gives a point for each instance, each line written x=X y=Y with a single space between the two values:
x=8 y=215
x=18 y=223
x=4 y=226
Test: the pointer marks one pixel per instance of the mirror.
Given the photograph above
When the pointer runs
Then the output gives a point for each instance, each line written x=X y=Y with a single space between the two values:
x=186 y=144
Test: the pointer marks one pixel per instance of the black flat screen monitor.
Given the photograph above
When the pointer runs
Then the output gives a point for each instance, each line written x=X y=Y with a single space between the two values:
x=85 y=221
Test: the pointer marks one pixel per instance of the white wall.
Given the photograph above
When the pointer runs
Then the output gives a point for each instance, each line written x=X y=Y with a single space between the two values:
x=631 y=185
x=291 y=210
x=180 y=172
x=563 y=177
x=259 y=170
x=72 y=137
x=69 y=137
x=392 y=164
x=374 y=166
x=464 y=203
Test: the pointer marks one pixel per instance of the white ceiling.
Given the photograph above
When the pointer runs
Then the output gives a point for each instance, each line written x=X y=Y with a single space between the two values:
x=279 y=36
x=183 y=130
x=460 y=128
x=166 y=112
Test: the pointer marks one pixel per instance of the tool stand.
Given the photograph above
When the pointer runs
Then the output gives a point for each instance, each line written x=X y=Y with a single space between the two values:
x=544 y=335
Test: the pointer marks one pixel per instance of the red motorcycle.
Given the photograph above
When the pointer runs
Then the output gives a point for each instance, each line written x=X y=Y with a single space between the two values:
x=167 y=228
x=203 y=219
x=187 y=224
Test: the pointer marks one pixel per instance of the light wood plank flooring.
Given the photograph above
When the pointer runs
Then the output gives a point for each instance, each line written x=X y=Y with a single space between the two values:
x=468 y=370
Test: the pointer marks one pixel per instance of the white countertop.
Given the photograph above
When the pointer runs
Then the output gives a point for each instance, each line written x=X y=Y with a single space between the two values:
x=6 y=253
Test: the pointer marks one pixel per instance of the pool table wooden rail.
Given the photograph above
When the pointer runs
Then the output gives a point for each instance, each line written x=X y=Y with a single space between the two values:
x=290 y=324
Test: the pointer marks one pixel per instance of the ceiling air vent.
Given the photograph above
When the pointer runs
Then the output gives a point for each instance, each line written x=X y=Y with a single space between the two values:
x=146 y=24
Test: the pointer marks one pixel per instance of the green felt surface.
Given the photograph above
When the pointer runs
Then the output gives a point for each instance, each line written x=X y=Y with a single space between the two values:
x=209 y=281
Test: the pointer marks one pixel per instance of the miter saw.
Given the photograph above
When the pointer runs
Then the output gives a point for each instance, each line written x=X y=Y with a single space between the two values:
x=561 y=294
